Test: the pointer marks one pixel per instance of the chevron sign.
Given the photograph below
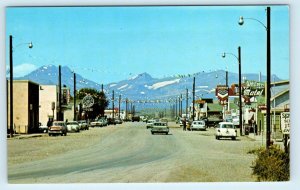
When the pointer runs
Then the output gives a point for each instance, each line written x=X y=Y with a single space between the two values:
x=222 y=94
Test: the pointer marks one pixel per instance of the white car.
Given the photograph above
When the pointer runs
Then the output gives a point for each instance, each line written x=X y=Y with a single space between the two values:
x=225 y=130
x=150 y=123
x=73 y=126
x=198 y=125
x=160 y=127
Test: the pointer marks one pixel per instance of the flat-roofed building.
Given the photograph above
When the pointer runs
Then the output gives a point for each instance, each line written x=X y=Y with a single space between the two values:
x=25 y=106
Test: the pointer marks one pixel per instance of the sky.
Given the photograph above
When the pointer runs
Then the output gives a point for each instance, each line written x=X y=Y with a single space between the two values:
x=109 y=44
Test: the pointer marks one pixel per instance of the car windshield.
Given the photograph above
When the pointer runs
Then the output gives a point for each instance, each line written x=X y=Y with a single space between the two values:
x=58 y=124
x=160 y=124
x=199 y=123
x=71 y=123
x=227 y=126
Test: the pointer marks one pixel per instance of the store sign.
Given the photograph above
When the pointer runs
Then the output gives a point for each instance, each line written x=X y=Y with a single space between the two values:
x=87 y=101
x=285 y=122
x=222 y=94
x=252 y=89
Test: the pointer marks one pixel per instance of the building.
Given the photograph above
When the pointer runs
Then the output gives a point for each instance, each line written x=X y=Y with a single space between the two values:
x=48 y=103
x=25 y=106
x=109 y=113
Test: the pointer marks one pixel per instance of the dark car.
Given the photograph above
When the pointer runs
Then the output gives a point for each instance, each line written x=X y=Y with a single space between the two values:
x=111 y=121
x=135 y=118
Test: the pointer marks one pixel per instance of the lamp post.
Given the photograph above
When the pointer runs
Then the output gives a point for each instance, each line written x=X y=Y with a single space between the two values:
x=240 y=85
x=75 y=96
x=11 y=128
x=194 y=98
x=268 y=65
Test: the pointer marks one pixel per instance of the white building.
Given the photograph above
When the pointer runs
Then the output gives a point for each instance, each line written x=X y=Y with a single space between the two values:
x=48 y=102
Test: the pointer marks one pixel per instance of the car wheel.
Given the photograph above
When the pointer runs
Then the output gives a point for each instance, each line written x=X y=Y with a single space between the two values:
x=233 y=138
x=152 y=133
x=167 y=133
x=49 y=134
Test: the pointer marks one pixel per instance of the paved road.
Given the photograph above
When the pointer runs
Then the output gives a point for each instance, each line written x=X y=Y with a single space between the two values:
x=131 y=154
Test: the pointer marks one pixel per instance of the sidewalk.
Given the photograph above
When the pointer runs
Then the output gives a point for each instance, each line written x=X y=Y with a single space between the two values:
x=262 y=139
x=25 y=136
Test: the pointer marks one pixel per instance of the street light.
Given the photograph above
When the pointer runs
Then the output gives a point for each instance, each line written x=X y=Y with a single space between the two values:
x=268 y=29
x=240 y=85
x=30 y=45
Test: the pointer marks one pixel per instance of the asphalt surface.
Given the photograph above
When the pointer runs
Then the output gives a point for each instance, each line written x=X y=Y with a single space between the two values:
x=129 y=153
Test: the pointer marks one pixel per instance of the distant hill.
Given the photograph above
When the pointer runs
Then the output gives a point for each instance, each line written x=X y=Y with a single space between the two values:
x=143 y=86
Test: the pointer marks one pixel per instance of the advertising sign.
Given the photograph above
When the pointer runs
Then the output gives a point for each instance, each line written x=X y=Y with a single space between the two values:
x=222 y=94
x=285 y=122
x=252 y=89
x=87 y=101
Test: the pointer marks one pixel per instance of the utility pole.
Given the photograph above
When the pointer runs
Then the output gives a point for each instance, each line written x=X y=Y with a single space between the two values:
x=119 y=106
x=176 y=107
x=11 y=81
x=75 y=96
x=113 y=104
x=126 y=108
x=59 y=94
x=180 y=105
x=187 y=102
x=194 y=98
x=268 y=143
x=101 y=87
x=240 y=92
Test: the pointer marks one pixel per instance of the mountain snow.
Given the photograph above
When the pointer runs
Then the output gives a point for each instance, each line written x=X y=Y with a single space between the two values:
x=112 y=85
x=124 y=86
x=162 y=84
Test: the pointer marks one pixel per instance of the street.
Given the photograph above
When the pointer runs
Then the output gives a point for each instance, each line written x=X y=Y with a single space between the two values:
x=129 y=153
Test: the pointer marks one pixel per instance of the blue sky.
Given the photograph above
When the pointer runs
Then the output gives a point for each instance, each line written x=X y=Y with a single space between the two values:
x=109 y=44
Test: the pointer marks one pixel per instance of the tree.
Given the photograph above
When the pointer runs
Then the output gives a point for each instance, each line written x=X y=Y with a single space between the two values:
x=100 y=101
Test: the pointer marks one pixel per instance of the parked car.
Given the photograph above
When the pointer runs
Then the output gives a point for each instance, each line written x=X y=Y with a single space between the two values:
x=99 y=123
x=226 y=130
x=145 y=119
x=73 y=126
x=111 y=121
x=149 y=123
x=160 y=127
x=198 y=125
x=43 y=128
x=83 y=125
x=58 y=128
x=135 y=118
x=118 y=121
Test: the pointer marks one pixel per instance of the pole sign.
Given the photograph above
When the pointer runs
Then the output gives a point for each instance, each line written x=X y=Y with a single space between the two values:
x=285 y=122
x=88 y=102
x=222 y=94
x=252 y=89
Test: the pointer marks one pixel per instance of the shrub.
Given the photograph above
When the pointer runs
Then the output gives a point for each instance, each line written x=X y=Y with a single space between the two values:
x=271 y=164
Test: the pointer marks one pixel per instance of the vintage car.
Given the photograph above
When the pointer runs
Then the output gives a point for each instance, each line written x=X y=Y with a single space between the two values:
x=198 y=125
x=43 y=128
x=58 y=128
x=118 y=121
x=149 y=123
x=83 y=125
x=225 y=130
x=160 y=127
x=99 y=123
x=73 y=126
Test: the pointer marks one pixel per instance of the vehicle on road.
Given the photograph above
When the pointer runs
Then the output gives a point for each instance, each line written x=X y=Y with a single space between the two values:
x=99 y=123
x=73 y=126
x=58 y=128
x=111 y=121
x=135 y=118
x=225 y=130
x=198 y=125
x=118 y=121
x=149 y=123
x=83 y=125
x=43 y=128
x=160 y=127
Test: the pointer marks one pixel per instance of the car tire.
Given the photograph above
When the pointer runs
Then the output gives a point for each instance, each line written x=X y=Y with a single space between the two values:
x=167 y=133
x=233 y=138
x=49 y=134
x=152 y=133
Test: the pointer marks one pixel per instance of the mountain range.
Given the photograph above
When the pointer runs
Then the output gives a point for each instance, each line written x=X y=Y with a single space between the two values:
x=142 y=86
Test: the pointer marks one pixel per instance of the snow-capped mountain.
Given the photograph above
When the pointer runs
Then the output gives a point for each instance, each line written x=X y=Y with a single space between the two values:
x=143 y=86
